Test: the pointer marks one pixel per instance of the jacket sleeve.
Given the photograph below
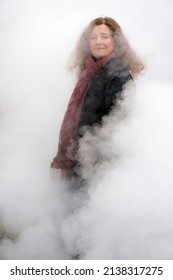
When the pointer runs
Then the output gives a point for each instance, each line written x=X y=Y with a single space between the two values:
x=113 y=91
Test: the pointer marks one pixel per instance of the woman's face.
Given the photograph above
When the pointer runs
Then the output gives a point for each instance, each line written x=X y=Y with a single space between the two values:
x=101 y=41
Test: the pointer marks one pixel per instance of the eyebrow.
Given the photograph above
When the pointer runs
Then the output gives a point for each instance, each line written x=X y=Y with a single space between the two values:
x=102 y=33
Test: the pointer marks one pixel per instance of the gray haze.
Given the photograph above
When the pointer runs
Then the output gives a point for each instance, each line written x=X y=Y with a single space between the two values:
x=126 y=211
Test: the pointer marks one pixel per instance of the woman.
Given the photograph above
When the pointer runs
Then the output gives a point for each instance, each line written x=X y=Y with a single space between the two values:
x=104 y=63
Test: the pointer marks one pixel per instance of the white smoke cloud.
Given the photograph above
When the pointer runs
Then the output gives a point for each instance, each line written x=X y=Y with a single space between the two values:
x=127 y=209
x=130 y=207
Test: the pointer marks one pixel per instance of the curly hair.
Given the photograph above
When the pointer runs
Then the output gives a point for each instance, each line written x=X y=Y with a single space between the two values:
x=122 y=48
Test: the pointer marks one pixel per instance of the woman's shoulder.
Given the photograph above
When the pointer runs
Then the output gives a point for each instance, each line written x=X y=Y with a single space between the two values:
x=117 y=67
x=114 y=72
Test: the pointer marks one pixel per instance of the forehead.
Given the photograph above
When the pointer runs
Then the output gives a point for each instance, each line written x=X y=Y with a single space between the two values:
x=100 y=29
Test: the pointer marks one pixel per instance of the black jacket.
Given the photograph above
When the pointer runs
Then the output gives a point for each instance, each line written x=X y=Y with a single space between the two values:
x=103 y=92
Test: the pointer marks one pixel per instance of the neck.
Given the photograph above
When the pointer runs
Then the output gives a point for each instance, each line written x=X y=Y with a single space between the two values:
x=105 y=58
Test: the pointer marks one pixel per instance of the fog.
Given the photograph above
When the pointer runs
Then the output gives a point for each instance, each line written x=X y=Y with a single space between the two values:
x=126 y=210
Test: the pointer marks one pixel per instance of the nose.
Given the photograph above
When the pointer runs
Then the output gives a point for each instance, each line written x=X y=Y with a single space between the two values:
x=98 y=40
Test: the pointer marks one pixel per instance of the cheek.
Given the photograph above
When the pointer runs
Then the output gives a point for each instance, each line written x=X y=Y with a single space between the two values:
x=111 y=45
x=91 y=46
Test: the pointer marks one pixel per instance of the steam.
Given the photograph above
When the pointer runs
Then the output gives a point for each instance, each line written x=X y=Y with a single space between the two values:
x=130 y=206
x=126 y=209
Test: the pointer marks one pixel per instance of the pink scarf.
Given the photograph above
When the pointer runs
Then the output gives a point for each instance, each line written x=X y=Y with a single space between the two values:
x=67 y=147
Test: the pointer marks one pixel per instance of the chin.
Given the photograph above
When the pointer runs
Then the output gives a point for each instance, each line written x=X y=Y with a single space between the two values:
x=99 y=56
